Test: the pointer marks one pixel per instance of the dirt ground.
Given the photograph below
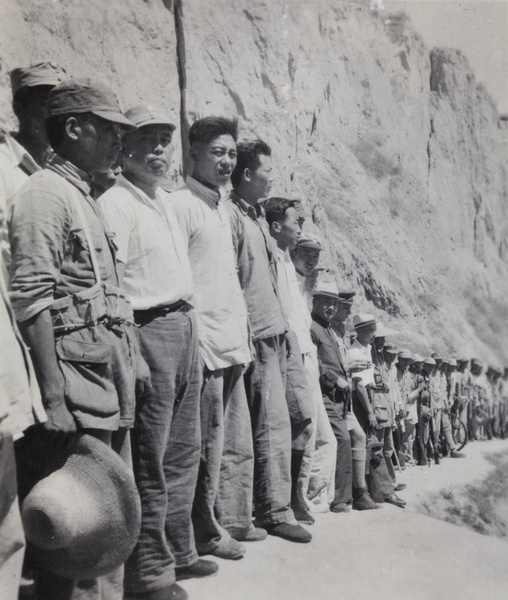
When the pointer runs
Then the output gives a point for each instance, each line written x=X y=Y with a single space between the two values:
x=391 y=553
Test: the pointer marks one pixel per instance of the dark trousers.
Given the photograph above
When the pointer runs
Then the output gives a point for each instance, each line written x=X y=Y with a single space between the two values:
x=223 y=499
x=265 y=383
x=166 y=442
x=344 y=464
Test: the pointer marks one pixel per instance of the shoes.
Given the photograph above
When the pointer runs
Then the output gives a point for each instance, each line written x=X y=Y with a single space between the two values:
x=399 y=487
x=340 y=507
x=396 y=501
x=455 y=454
x=436 y=457
x=253 y=534
x=304 y=516
x=230 y=550
x=201 y=568
x=287 y=531
x=171 y=592
x=362 y=500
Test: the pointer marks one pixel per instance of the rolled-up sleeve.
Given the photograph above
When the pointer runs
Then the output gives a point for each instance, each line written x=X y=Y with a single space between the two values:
x=38 y=232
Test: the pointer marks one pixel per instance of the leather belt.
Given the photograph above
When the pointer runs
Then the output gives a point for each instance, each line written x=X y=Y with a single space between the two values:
x=160 y=311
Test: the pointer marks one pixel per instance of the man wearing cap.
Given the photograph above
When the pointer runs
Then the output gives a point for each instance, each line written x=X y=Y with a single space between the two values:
x=424 y=370
x=356 y=433
x=265 y=380
x=65 y=290
x=336 y=392
x=409 y=395
x=24 y=152
x=441 y=422
x=222 y=508
x=154 y=266
x=318 y=464
x=390 y=357
x=463 y=389
x=372 y=412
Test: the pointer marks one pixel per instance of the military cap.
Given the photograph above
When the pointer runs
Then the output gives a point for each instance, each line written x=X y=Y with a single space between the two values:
x=141 y=116
x=326 y=288
x=429 y=361
x=446 y=361
x=405 y=353
x=452 y=362
x=76 y=96
x=44 y=73
x=417 y=359
x=437 y=356
x=462 y=359
x=363 y=319
x=346 y=296
x=309 y=241
x=391 y=348
x=477 y=362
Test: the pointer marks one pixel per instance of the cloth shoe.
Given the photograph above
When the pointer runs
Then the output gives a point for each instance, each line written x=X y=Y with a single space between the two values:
x=230 y=550
x=303 y=516
x=455 y=454
x=399 y=487
x=171 y=592
x=340 y=507
x=253 y=534
x=201 y=568
x=287 y=531
x=396 y=501
x=362 y=500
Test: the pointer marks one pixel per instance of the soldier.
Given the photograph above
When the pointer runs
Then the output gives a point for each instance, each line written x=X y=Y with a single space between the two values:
x=424 y=371
x=463 y=389
x=65 y=289
x=480 y=419
x=336 y=388
x=373 y=405
x=409 y=397
x=24 y=152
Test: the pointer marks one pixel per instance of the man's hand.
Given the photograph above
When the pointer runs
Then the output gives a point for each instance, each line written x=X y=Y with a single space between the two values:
x=357 y=364
x=60 y=424
x=143 y=377
x=373 y=421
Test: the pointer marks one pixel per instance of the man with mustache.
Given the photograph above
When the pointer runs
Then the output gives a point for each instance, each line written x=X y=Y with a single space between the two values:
x=155 y=269
x=223 y=503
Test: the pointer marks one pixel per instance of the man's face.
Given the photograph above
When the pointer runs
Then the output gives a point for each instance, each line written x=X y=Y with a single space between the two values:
x=367 y=334
x=306 y=260
x=343 y=312
x=289 y=229
x=389 y=356
x=325 y=307
x=148 y=152
x=403 y=363
x=428 y=368
x=33 y=110
x=379 y=342
x=99 y=141
x=215 y=161
x=261 y=178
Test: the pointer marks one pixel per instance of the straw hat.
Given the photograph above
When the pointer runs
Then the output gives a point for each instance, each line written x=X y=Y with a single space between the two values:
x=83 y=516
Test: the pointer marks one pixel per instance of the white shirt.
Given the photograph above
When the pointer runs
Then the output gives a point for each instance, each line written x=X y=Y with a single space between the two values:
x=222 y=312
x=16 y=166
x=150 y=244
x=361 y=352
x=294 y=300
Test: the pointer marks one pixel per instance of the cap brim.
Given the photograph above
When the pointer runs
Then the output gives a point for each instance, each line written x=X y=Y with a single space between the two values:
x=329 y=294
x=309 y=245
x=115 y=117
x=156 y=121
x=360 y=325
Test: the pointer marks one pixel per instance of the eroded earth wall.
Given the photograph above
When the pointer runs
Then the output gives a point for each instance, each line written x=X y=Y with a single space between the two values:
x=397 y=153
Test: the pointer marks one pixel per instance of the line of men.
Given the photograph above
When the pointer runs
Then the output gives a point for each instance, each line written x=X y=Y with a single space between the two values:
x=176 y=328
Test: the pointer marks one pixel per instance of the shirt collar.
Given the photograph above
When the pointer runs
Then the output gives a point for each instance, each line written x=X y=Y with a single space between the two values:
x=253 y=211
x=71 y=173
x=202 y=191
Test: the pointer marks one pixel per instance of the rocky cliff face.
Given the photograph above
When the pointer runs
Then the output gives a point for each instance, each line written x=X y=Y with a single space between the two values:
x=394 y=149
